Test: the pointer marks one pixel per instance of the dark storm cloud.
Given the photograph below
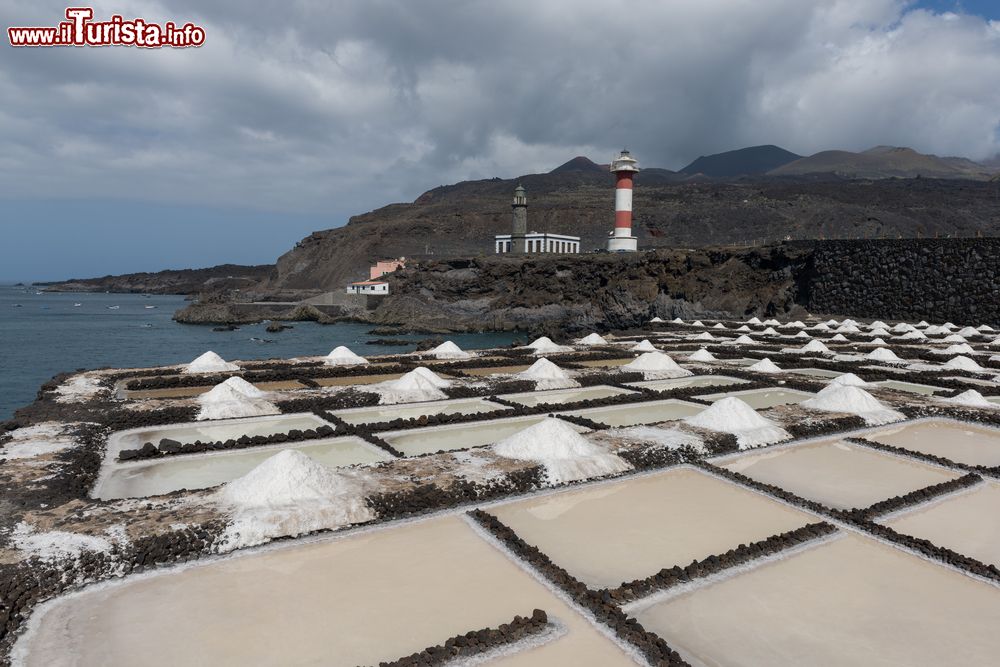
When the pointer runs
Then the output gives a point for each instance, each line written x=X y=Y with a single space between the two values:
x=306 y=106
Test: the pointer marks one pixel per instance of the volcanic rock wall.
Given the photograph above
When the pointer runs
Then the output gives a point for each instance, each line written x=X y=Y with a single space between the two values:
x=932 y=279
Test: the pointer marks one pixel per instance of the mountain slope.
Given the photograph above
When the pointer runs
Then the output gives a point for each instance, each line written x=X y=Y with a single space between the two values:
x=883 y=162
x=750 y=161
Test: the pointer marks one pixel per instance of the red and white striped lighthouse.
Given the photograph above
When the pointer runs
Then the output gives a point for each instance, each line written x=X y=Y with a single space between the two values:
x=623 y=167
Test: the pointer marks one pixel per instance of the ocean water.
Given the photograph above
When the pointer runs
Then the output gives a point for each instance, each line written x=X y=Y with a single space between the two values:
x=45 y=334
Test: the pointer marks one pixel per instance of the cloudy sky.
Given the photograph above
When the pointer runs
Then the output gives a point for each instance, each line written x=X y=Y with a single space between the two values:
x=297 y=114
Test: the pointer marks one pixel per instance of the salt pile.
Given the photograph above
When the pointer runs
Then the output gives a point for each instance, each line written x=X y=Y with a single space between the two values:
x=877 y=341
x=643 y=346
x=341 y=356
x=566 y=455
x=838 y=338
x=704 y=335
x=655 y=320
x=234 y=398
x=963 y=364
x=765 y=366
x=882 y=354
x=448 y=350
x=849 y=322
x=771 y=323
x=903 y=327
x=701 y=355
x=812 y=347
x=656 y=365
x=770 y=331
x=291 y=494
x=659 y=437
x=547 y=375
x=797 y=324
x=831 y=323
x=697 y=323
x=593 y=339
x=935 y=331
x=972 y=399
x=743 y=328
x=743 y=340
x=677 y=320
x=848 y=328
x=731 y=415
x=852 y=400
x=922 y=324
x=949 y=325
x=719 y=325
x=968 y=332
x=802 y=334
x=881 y=331
x=822 y=326
x=849 y=379
x=544 y=345
x=985 y=328
x=420 y=384
x=753 y=320
x=914 y=335
x=210 y=362
x=878 y=324
x=954 y=338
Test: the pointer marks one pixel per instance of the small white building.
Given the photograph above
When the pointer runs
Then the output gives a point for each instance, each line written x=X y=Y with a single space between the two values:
x=369 y=287
x=539 y=242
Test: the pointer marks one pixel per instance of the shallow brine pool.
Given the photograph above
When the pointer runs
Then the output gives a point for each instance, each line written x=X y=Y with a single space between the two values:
x=213 y=431
x=851 y=601
x=384 y=413
x=759 y=399
x=358 y=600
x=911 y=387
x=651 y=412
x=200 y=471
x=611 y=533
x=693 y=381
x=815 y=372
x=965 y=522
x=565 y=395
x=837 y=474
x=962 y=443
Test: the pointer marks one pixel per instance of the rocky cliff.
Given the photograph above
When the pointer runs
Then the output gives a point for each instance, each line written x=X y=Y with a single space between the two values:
x=576 y=293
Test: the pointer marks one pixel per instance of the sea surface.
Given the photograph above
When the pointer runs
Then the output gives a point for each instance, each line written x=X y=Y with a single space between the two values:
x=42 y=335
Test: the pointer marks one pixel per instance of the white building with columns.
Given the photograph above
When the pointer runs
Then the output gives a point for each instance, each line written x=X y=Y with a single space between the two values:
x=539 y=242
